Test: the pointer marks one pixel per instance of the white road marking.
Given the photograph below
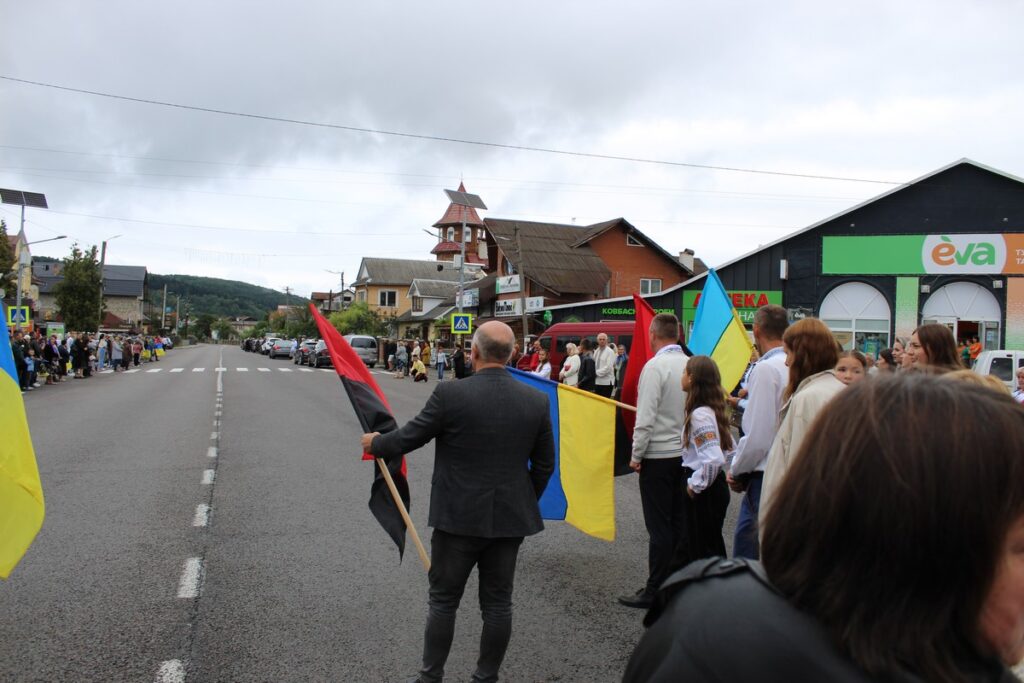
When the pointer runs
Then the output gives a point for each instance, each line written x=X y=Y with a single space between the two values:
x=247 y=369
x=171 y=671
x=216 y=414
x=208 y=476
x=213 y=435
x=198 y=369
x=177 y=370
x=202 y=516
x=128 y=372
x=155 y=370
x=285 y=369
x=191 y=578
x=263 y=369
x=211 y=452
x=326 y=369
x=221 y=369
x=305 y=370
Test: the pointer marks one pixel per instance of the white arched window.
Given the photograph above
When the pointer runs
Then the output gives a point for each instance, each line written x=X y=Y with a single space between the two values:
x=968 y=309
x=859 y=316
x=451 y=234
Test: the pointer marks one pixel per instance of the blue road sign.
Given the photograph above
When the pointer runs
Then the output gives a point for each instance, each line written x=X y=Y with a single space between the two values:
x=462 y=323
x=17 y=314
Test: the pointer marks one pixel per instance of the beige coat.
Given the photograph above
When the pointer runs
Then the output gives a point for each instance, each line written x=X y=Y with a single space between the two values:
x=796 y=416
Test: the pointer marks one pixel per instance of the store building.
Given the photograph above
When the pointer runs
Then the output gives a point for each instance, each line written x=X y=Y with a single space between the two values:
x=946 y=248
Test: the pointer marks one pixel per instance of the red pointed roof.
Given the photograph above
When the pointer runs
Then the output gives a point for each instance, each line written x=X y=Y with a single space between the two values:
x=446 y=248
x=455 y=215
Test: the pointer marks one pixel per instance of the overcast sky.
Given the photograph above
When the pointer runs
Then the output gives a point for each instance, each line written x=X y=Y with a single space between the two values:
x=874 y=90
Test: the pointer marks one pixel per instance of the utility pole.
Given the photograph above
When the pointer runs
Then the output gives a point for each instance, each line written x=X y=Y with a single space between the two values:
x=103 y=261
x=177 y=313
x=522 y=287
x=163 y=311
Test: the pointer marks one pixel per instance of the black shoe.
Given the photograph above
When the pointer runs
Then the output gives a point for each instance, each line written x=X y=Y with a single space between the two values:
x=641 y=599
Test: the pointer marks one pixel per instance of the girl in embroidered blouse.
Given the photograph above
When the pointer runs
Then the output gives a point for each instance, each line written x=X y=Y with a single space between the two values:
x=706 y=442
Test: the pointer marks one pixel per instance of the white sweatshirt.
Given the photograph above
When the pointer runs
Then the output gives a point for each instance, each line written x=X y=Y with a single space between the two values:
x=660 y=406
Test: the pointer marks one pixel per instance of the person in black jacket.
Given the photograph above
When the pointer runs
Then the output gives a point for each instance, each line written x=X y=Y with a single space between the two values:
x=494 y=455
x=884 y=558
x=588 y=370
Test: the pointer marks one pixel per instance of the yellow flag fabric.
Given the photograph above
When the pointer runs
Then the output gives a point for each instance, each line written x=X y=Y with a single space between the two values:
x=586 y=447
x=732 y=354
x=21 y=493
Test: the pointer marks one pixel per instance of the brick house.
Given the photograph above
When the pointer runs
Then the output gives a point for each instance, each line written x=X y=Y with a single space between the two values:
x=384 y=283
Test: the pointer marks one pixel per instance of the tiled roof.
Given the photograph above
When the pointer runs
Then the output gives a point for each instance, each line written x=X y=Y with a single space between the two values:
x=455 y=215
x=596 y=229
x=395 y=271
x=434 y=289
x=549 y=257
x=447 y=248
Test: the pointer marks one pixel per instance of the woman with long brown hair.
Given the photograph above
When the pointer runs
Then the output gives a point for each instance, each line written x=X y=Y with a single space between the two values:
x=884 y=558
x=706 y=442
x=811 y=354
x=932 y=346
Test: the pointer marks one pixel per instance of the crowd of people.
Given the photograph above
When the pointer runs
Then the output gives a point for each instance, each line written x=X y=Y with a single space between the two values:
x=820 y=427
x=41 y=360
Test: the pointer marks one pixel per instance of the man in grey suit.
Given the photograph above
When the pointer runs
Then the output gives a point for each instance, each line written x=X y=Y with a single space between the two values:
x=494 y=455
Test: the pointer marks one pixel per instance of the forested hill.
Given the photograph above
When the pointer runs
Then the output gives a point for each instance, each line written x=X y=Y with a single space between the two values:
x=218 y=297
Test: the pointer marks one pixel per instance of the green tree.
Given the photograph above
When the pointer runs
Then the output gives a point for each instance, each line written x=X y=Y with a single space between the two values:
x=203 y=326
x=7 y=277
x=260 y=329
x=358 y=319
x=223 y=329
x=77 y=296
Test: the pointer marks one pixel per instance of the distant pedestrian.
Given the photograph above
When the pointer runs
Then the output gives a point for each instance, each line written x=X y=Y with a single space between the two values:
x=604 y=367
x=440 y=361
x=587 y=374
x=513 y=361
x=136 y=354
x=570 y=372
x=543 y=365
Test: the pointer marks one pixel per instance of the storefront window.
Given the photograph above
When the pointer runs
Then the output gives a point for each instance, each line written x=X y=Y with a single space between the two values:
x=858 y=316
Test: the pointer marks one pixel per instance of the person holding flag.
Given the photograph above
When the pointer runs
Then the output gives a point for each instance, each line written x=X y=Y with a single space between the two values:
x=495 y=453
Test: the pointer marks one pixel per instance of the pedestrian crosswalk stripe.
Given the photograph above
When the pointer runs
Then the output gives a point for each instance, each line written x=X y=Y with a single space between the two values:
x=326 y=370
x=220 y=369
x=263 y=369
x=128 y=372
x=159 y=369
x=285 y=369
x=198 y=369
x=177 y=369
x=308 y=370
x=247 y=369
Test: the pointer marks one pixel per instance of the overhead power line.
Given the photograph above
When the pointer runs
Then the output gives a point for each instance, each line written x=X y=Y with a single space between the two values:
x=437 y=138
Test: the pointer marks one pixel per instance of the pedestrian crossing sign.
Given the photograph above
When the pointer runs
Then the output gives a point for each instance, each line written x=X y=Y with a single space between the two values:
x=462 y=323
x=17 y=315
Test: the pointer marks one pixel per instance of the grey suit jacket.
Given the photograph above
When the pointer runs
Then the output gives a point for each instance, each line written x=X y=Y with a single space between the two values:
x=494 y=454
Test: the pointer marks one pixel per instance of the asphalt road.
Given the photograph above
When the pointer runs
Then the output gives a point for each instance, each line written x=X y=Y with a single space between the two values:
x=285 y=576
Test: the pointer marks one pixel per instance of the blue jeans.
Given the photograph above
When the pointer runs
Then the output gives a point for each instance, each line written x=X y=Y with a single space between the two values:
x=452 y=559
x=745 y=542
x=101 y=358
x=440 y=371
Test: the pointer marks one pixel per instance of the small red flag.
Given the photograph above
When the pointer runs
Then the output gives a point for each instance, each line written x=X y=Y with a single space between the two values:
x=639 y=354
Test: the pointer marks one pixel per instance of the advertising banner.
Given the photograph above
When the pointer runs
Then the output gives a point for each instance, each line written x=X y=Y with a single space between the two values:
x=504 y=308
x=507 y=284
x=946 y=254
x=746 y=302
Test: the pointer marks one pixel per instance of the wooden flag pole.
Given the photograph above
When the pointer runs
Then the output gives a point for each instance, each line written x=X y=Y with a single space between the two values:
x=405 y=513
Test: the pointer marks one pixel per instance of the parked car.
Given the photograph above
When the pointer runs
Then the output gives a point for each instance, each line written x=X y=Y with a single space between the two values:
x=267 y=344
x=302 y=354
x=280 y=347
x=320 y=356
x=1001 y=363
x=365 y=347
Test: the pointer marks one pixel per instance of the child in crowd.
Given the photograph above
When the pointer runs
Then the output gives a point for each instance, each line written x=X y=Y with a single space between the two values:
x=31 y=369
x=852 y=367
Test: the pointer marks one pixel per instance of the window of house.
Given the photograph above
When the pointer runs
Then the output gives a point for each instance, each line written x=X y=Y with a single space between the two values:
x=467 y=235
x=387 y=298
x=633 y=242
x=361 y=295
x=481 y=234
x=451 y=234
x=417 y=303
x=509 y=268
x=650 y=286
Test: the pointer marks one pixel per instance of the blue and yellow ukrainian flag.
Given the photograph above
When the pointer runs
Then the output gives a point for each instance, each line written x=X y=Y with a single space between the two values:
x=718 y=332
x=21 y=493
x=582 y=489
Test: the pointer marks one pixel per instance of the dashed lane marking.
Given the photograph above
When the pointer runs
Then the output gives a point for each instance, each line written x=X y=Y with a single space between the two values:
x=247 y=369
x=211 y=452
x=263 y=369
x=155 y=370
x=171 y=671
x=177 y=370
x=198 y=369
x=208 y=477
x=305 y=370
x=213 y=435
x=285 y=369
x=191 y=578
x=202 y=515
x=326 y=369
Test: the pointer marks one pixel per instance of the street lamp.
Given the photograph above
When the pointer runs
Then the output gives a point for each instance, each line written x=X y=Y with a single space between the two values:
x=103 y=261
x=23 y=199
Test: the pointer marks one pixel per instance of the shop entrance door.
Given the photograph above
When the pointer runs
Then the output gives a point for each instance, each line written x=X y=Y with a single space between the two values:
x=968 y=310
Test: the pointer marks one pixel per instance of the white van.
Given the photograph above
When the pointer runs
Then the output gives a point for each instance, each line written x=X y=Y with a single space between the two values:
x=1002 y=363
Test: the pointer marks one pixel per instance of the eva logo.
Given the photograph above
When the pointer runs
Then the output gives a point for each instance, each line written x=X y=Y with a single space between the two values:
x=964 y=253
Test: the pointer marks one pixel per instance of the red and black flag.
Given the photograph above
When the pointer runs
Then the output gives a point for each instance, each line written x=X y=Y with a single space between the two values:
x=639 y=354
x=374 y=415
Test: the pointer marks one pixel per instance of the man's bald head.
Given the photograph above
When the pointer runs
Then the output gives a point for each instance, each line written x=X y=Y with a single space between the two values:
x=493 y=342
